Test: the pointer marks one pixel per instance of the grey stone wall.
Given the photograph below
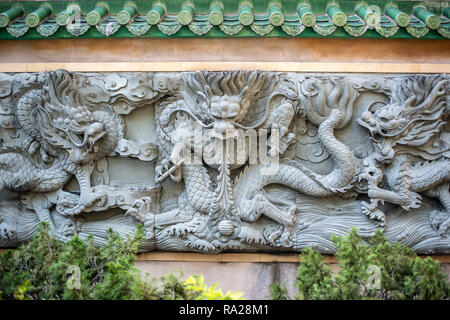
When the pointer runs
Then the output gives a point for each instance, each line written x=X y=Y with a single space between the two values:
x=226 y=161
x=252 y=278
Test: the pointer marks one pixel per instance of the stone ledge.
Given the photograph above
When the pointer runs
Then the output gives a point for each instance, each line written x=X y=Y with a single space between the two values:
x=240 y=257
x=244 y=257
x=171 y=66
x=223 y=257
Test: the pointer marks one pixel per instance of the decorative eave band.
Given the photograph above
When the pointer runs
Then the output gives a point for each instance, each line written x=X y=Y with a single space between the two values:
x=221 y=19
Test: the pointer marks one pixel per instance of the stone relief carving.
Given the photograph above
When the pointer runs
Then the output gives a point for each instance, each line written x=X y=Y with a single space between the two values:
x=226 y=161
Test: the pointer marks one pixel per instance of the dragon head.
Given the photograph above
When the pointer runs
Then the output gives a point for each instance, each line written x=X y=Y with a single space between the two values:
x=387 y=121
x=66 y=117
x=80 y=127
x=75 y=129
x=415 y=113
x=226 y=96
x=227 y=107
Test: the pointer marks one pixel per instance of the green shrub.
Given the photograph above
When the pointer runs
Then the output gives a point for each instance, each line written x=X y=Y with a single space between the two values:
x=401 y=273
x=45 y=268
x=314 y=278
x=196 y=285
x=278 y=291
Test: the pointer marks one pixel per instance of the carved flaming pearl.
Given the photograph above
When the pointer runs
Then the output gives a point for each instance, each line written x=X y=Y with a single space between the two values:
x=225 y=227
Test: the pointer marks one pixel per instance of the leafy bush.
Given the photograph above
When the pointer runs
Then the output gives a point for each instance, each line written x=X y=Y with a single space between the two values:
x=196 y=285
x=45 y=268
x=278 y=291
x=401 y=274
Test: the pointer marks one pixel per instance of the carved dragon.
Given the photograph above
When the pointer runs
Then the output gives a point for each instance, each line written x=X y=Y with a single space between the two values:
x=221 y=102
x=69 y=135
x=412 y=119
x=258 y=160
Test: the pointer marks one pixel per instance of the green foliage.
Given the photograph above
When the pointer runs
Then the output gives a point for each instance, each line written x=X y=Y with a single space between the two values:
x=354 y=259
x=401 y=273
x=19 y=294
x=45 y=268
x=203 y=292
x=31 y=263
x=173 y=289
x=278 y=291
x=428 y=281
x=314 y=278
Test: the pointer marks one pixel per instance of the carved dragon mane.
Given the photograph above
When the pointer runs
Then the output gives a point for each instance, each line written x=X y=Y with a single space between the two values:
x=69 y=133
x=404 y=131
x=415 y=113
x=228 y=95
x=59 y=118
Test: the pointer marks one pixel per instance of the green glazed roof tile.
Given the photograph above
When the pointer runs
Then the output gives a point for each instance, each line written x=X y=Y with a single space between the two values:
x=78 y=29
x=139 y=26
x=291 y=19
x=322 y=18
x=444 y=28
x=108 y=26
x=355 y=21
x=353 y=18
x=226 y=18
x=48 y=27
x=445 y=23
x=292 y=29
x=388 y=23
x=18 y=28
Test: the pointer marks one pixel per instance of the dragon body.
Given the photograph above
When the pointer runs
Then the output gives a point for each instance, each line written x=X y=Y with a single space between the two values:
x=297 y=177
x=246 y=197
x=68 y=136
x=413 y=118
x=20 y=173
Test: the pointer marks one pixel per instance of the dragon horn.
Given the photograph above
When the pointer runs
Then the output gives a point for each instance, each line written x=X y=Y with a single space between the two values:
x=437 y=91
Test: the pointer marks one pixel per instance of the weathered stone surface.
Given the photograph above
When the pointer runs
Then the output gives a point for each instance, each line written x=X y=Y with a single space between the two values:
x=226 y=161
x=254 y=279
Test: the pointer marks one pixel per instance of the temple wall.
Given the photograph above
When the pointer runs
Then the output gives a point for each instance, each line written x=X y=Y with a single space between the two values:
x=251 y=273
x=421 y=53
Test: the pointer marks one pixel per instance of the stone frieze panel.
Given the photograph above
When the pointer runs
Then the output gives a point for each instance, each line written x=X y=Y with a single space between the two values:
x=226 y=161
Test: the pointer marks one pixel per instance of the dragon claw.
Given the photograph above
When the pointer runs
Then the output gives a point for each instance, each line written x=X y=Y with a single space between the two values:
x=373 y=213
x=71 y=207
x=278 y=236
x=292 y=215
x=75 y=210
x=199 y=244
x=67 y=230
x=141 y=210
x=440 y=222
